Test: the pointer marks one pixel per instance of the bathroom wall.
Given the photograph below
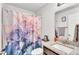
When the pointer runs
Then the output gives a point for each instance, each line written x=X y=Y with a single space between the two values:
x=72 y=18
x=47 y=14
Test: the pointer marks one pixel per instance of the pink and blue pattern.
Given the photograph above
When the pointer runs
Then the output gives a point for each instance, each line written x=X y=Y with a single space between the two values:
x=23 y=34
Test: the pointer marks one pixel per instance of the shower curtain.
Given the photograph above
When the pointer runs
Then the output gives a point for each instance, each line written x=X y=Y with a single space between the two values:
x=21 y=32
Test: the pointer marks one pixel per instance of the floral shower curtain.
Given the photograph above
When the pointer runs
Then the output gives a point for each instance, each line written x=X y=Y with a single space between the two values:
x=21 y=32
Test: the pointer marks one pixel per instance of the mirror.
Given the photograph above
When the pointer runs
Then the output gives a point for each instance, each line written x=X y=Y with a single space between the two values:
x=66 y=21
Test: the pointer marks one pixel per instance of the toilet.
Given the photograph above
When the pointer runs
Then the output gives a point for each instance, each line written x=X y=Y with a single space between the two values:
x=37 y=51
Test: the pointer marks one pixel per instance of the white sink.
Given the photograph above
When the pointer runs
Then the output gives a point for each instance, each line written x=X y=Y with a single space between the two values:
x=62 y=48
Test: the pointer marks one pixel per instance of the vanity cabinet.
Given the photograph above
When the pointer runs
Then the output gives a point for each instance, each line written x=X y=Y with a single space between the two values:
x=47 y=51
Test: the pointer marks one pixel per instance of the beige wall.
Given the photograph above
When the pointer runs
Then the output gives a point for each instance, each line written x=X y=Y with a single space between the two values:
x=48 y=20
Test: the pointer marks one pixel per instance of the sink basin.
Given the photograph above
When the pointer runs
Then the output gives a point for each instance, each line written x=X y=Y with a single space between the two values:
x=62 y=48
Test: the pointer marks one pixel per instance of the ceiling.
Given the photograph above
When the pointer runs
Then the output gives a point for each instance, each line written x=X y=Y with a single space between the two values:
x=29 y=6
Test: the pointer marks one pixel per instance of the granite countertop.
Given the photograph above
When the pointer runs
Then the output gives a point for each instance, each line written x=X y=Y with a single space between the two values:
x=75 y=50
